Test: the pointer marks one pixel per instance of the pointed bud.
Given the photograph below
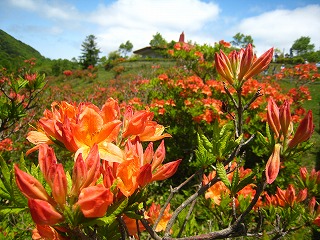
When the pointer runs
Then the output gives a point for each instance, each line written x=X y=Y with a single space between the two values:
x=158 y=156
x=290 y=195
x=304 y=130
x=59 y=187
x=273 y=164
x=246 y=61
x=312 y=205
x=148 y=154
x=303 y=173
x=30 y=186
x=223 y=67
x=285 y=117
x=46 y=158
x=79 y=175
x=145 y=175
x=260 y=64
x=302 y=195
x=43 y=213
x=273 y=117
x=92 y=166
x=166 y=170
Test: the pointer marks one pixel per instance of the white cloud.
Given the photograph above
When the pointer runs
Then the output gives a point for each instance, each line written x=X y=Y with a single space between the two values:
x=139 y=20
x=280 y=28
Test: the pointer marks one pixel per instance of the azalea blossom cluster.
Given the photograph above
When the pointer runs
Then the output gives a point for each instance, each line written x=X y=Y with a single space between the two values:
x=110 y=163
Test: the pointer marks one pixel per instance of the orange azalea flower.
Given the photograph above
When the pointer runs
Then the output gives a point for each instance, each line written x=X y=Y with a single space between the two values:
x=216 y=191
x=152 y=214
x=225 y=44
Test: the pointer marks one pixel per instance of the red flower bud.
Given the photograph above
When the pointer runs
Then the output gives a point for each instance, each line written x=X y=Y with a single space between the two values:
x=145 y=175
x=30 y=186
x=43 y=213
x=166 y=170
x=273 y=164
x=273 y=117
x=285 y=117
x=304 y=130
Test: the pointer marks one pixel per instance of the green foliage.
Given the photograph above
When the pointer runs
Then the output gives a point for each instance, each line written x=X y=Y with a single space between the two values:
x=125 y=48
x=19 y=96
x=302 y=45
x=13 y=52
x=90 y=52
x=158 y=41
x=241 y=41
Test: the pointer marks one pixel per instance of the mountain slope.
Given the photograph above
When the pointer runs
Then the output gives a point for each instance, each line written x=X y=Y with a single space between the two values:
x=13 y=51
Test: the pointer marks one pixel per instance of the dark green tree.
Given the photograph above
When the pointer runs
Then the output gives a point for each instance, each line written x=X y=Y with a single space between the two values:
x=302 y=46
x=90 y=52
x=125 y=48
x=241 y=41
x=158 y=41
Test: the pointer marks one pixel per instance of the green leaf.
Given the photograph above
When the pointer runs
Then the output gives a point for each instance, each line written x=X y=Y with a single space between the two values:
x=6 y=175
x=133 y=215
x=221 y=171
x=234 y=182
x=204 y=141
x=262 y=140
x=69 y=181
x=4 y=210
x=244 y=182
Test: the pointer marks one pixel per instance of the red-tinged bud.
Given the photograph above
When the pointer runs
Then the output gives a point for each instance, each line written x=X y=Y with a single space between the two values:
x=166 y=170
x=273 y=117
x=318 y=177
x=46 y=232
x=302 y=195
x=280 y=196
x=290 y=195
x=273 y=164
x=304 y=130
x=158 y=156
x=317 y=221
x=46 y=159
x=43 y=213
x=108 y=176
x=59 y=187
x=30 y=186
x=303 y=173
x=246 y=61
x=223 y=67
x=145 y=175
x=260 y=64
x=148 y=154
x=285 y=117
x=94 y=201
x=92 y=166
x=79 y=175
x=312 y=205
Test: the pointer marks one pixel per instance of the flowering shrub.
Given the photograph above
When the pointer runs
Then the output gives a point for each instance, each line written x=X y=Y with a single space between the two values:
x=100 y=188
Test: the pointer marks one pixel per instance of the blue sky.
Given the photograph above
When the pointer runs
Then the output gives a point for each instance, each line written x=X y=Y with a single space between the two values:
x=57 y=28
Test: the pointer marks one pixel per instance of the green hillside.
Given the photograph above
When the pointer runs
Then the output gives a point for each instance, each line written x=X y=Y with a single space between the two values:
x=13 y=51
